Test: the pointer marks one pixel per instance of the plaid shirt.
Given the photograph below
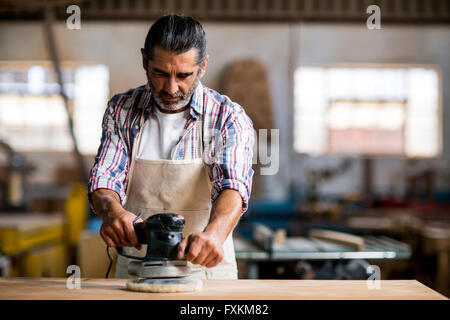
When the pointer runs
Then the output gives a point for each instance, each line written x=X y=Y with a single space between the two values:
x=227 y=132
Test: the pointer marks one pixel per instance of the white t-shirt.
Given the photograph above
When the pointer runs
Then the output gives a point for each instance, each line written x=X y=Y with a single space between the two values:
x=161 y=133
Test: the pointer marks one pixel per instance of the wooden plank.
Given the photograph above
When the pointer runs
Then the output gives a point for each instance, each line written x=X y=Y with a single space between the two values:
x=340 y=237
x=101 y=289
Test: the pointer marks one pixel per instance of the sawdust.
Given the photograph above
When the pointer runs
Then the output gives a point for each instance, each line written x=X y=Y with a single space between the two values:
x=165 y=286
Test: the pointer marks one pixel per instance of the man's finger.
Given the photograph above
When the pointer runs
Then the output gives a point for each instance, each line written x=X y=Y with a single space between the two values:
x=181 y=248
x=131 y=236
x=193 y=251
x=213 y=262
x=107 y=239
x=118 y=229
x=213 y=255
x=202 y=256
x=112 y=235
x=138 y=246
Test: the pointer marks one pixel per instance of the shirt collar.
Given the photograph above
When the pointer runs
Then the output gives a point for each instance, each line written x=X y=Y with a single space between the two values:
x=197 y=101
x=196 y=104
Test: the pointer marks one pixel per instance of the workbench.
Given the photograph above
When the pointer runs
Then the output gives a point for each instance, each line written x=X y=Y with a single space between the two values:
x=106 y=289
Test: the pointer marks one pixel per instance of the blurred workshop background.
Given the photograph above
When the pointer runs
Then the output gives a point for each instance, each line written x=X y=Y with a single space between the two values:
x=360 y=186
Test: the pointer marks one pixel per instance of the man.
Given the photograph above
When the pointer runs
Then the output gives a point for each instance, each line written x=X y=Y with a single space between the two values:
x=173 y=145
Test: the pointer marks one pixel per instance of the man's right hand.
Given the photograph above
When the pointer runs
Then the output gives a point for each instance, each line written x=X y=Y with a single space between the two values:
x=117 y=229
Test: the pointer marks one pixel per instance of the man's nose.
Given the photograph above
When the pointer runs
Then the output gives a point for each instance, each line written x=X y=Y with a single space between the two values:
x=171 y=86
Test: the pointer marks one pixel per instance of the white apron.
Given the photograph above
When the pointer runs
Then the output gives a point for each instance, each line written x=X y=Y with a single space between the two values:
x=177 y=186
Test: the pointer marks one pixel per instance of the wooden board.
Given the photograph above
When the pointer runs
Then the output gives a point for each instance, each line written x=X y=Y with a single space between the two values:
x=339 y=237
x=55 y=288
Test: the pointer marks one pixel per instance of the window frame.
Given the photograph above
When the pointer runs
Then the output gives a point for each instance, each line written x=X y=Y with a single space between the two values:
x=48 y=65
x=377 y=66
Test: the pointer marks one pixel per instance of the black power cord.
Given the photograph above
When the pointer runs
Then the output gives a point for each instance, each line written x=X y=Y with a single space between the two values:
x=110 y=262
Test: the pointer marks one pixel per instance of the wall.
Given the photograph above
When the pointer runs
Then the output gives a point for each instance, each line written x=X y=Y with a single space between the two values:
x=280 y=47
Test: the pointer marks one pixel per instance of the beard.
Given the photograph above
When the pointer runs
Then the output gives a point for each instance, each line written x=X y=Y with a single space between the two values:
x=172 y=106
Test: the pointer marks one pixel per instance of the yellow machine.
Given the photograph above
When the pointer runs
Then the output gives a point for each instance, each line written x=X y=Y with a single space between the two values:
x=28 y=238
x=38 y=243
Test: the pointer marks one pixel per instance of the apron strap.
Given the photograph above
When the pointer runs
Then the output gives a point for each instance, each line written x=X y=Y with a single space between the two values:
x=202 y=124
x=135 y=149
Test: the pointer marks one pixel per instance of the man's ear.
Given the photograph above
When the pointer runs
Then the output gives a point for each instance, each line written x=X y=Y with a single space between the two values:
x=204 y=65
x=144 y=59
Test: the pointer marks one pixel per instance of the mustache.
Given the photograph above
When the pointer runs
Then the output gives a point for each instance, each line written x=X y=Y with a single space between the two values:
x=164 y=93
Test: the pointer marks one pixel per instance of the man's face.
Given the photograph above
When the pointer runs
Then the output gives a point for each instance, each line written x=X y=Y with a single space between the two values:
x=173 y=77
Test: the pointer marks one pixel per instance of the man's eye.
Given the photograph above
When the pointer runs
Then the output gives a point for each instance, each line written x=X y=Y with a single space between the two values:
x=183 y=76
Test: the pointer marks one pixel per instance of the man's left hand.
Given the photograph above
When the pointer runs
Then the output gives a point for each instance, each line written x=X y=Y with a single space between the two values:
x=201 y=248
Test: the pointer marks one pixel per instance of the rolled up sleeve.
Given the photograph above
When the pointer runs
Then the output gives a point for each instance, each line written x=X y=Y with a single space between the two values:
x=109 y=169
x=232 y=167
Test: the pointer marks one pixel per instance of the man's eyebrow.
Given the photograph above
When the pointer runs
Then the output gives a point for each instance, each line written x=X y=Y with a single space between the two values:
x=159 y=71
x=185 y=74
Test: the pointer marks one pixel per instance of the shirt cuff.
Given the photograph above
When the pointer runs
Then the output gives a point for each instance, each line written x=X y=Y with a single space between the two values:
x=106 y=183
x=237 y=185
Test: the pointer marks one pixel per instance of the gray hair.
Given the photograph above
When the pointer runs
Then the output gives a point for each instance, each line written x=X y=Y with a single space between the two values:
x=176 y=34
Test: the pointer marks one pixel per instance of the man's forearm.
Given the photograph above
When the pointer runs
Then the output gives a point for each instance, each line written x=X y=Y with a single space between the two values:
x=106 y=202
x=225 y=214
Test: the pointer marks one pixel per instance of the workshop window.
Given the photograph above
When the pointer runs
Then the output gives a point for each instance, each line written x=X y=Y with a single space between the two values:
x=33 y=115
x=375 y=110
